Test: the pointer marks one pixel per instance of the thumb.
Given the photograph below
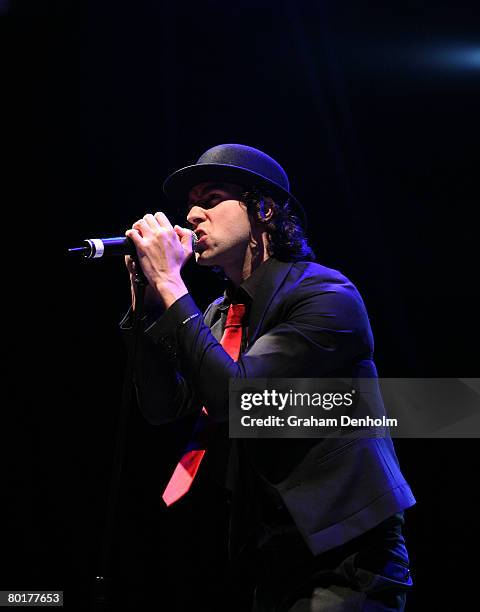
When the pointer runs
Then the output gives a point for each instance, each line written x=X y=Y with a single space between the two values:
x=184 y=234
x=131 y=264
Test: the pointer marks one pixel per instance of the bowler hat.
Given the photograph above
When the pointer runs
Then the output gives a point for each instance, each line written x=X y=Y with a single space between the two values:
x=234 y=163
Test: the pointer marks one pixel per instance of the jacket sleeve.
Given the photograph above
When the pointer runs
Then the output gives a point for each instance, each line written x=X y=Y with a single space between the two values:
x=324 y=328
x=161 y=390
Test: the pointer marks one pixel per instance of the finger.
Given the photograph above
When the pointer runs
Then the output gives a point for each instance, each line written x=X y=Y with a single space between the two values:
x=162 y=219
x=186 y=238
x=135 y=235
x=151 y=221
x=183 y=233
x=141 y=226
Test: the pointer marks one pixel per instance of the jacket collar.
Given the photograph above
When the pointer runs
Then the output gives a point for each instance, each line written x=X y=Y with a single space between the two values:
x=264 y=292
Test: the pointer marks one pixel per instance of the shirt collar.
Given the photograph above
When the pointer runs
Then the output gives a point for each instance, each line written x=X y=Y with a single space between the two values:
x=246 y=292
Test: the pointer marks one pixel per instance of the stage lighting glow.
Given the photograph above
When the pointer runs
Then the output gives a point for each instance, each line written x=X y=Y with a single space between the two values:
x=463 y=58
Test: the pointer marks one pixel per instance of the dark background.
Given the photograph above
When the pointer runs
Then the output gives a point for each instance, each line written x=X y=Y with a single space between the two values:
x=373 y=110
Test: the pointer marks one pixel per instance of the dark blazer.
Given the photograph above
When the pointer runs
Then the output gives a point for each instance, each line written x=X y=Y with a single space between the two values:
x=306 y=321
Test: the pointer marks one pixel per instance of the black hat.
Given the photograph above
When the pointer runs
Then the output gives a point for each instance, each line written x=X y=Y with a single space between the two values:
x=234 y=163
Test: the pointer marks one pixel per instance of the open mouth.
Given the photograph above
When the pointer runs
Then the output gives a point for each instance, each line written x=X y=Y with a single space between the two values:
x=199 y=233
x=201 y=244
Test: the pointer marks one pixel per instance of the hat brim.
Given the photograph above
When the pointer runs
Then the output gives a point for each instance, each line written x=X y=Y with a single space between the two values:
x=177 y=186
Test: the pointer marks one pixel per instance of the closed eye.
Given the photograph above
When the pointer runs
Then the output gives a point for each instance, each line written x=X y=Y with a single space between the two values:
x=213 y=200
x=209 y=202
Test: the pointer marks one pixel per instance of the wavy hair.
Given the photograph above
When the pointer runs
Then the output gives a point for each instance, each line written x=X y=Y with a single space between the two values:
x=287 y=238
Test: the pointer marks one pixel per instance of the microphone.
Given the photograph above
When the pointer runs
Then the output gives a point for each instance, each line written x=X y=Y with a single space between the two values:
x=93 y=248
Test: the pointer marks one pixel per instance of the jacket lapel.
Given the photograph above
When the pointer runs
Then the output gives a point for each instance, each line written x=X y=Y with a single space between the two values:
x=272 y=281
x=212 y=314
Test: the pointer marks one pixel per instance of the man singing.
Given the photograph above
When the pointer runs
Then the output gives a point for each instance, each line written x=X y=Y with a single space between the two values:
x=319 y=520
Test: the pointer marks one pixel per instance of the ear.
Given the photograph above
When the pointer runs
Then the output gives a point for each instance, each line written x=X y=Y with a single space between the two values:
x=266 y=211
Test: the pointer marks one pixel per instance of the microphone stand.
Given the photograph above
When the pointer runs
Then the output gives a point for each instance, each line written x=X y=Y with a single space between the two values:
x=102 y=581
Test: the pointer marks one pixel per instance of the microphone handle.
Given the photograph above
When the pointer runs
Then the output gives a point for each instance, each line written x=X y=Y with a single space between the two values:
x=102 y=247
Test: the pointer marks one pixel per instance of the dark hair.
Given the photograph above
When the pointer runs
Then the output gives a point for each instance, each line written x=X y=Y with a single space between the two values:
x=287 y=239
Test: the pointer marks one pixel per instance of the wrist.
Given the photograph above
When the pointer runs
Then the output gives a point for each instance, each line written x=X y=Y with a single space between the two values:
x=170 y=291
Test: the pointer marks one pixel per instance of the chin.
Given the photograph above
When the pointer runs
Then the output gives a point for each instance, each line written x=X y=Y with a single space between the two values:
x=212 y=256
x=203 y=259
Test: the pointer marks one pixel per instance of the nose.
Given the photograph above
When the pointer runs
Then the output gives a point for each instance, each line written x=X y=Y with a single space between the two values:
x=195 y=216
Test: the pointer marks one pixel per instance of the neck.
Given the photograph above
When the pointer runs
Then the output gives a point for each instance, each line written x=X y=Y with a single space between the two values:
x=255 y=254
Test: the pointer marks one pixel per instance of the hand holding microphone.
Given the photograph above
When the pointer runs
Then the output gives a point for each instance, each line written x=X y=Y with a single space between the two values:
x=161 y=250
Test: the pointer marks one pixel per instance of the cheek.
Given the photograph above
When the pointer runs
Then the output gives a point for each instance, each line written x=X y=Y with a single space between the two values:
x=230 y=223
x=239 y=225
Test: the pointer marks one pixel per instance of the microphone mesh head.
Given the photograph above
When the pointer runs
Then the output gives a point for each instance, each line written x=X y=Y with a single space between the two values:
x=194 y=241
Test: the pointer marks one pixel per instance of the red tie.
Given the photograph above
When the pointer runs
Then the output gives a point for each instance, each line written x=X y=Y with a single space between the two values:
x=182 y=478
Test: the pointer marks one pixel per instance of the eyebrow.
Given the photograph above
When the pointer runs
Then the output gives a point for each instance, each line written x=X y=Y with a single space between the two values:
x=205 y=190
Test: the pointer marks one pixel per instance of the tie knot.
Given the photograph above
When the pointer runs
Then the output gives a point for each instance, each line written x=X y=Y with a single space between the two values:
x=235 y=315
